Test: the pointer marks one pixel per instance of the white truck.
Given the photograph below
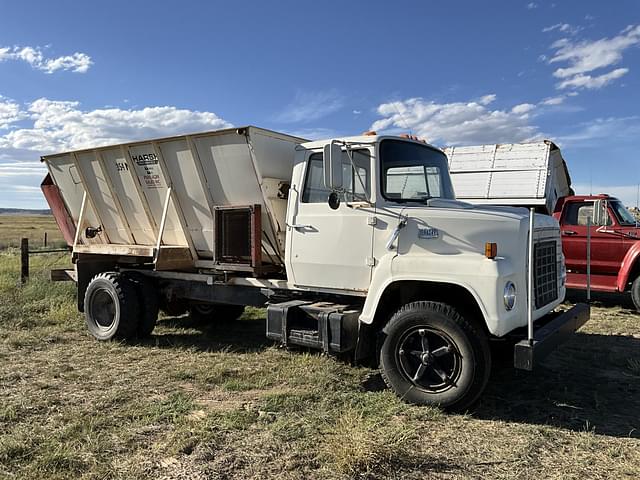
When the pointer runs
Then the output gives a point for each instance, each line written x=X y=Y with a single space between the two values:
x=532 y=174
x=357 y=246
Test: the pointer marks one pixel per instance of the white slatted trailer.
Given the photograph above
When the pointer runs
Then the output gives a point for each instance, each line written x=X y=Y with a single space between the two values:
x=520 y=174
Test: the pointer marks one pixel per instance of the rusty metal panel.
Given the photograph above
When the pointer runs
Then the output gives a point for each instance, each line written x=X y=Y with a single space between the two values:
x=65 y=223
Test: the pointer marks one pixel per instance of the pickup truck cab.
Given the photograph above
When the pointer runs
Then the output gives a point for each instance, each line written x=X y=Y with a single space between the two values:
x=614 y=236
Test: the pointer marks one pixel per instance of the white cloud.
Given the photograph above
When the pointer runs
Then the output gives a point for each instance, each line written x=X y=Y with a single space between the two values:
x=532 y=5
x=58 y=125
x=584 y=57
x=63 y=125
x=523 y=108
x=600 y=130
x=487 y=99
x=587 y=81
x=9 y=112
x=34 y=56
x=564 y=28
x=26 y=188
x=551 y=101
x=459 y=122
x=22 y=169
x=310 y=106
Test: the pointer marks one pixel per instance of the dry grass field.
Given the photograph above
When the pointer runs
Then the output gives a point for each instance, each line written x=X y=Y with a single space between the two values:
x=221 y=401
x=15 y=227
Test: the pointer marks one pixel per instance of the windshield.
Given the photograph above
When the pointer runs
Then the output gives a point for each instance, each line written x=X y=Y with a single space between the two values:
x=625 y=217
x=413 y=173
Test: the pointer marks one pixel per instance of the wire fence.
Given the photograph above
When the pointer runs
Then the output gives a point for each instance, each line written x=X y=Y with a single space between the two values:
x=24 y=257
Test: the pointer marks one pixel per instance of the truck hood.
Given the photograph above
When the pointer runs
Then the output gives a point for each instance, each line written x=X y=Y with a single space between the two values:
x=451 y=229
x=516 y=213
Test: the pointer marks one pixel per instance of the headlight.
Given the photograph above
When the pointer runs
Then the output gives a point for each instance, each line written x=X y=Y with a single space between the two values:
x=509 y=295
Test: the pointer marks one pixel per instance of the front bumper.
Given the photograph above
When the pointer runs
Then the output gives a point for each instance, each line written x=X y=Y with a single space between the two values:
x=556 y=329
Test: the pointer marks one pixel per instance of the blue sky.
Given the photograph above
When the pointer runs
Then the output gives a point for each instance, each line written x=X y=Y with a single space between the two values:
x=80 y=74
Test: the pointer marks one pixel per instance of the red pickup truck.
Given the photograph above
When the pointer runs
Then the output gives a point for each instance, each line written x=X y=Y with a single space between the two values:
x=615 y=244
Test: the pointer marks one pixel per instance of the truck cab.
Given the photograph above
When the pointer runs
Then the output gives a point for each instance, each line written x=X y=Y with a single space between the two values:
x=599 y=234
x=398 y=221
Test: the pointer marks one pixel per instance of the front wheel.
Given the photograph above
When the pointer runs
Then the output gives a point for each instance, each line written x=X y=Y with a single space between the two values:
x=431 y=355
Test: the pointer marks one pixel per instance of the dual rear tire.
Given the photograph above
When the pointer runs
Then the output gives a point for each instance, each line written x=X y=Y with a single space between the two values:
x=120 y=306
x=125 y=306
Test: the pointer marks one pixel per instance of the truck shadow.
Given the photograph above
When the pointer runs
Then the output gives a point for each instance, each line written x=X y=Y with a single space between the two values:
x=602 y=299
x=591 y=384
x=240 y=336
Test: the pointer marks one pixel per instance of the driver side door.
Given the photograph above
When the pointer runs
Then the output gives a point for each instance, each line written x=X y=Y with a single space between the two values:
x=332 y=248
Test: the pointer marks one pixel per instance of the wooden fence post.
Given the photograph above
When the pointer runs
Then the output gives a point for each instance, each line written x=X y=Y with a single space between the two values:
x=45 y=239
x=24 y=260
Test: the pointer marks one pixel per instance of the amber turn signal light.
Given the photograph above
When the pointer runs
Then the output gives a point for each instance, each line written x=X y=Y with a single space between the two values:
x=490 y=250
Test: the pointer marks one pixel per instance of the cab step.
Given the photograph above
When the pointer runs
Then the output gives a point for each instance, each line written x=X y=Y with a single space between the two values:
x=330 y=327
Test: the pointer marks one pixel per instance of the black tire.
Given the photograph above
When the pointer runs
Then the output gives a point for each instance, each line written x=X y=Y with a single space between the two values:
x=215 y=312
x=149 y=303
x=431 y=355
x=635 y=293
x=111 y=307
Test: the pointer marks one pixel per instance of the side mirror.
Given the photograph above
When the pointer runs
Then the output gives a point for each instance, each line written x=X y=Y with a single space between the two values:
x=334 y=200
x=600 y=215
x=332 y=165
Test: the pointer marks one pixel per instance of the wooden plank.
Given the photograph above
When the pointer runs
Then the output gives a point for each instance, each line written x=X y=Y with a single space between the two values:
x=63 y=275
x=114 y=249
x=173 y=258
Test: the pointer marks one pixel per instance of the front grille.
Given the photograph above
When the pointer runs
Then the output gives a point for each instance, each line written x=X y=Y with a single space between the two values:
x=545 y=273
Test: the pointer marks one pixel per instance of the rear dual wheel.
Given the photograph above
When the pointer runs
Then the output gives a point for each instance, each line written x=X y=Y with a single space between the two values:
x=119 y=306
x=431 y=355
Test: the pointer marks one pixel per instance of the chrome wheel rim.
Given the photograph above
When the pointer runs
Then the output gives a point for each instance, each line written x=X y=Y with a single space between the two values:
x=429 y=359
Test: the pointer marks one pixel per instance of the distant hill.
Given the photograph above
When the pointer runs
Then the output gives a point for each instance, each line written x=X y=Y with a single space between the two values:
x=23 y=211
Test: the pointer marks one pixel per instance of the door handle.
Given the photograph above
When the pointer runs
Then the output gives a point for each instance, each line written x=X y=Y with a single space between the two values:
x=568 y=232
x=299 y=225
